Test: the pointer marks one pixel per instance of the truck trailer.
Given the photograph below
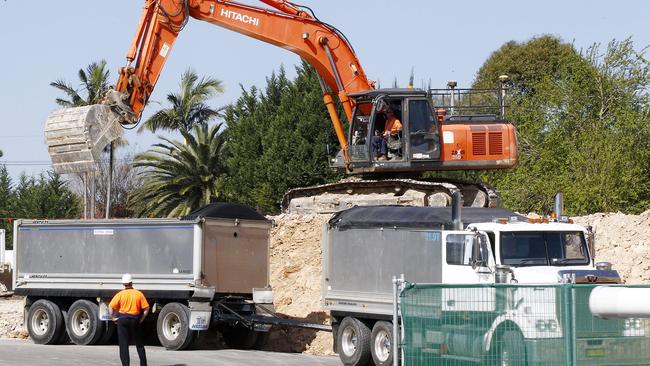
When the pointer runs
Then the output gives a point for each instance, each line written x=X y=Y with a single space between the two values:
x=364 y=248
x=210 y=269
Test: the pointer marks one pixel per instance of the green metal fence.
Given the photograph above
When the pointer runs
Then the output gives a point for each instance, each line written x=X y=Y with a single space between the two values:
x=499 y=324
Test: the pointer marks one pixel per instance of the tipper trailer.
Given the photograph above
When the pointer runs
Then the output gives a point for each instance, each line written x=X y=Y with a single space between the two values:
x=365 y=247
x=210 y=269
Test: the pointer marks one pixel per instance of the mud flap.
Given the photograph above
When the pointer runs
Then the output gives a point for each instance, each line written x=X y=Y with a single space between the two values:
x=200 y=315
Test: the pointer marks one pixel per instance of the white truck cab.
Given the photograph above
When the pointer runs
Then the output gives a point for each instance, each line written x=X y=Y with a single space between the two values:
x=537 y=252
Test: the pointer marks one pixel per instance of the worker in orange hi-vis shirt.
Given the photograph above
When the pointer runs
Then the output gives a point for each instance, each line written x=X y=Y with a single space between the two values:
x=129 y=308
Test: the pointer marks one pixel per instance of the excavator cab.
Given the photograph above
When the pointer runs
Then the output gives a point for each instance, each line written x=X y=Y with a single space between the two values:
x=433 y=136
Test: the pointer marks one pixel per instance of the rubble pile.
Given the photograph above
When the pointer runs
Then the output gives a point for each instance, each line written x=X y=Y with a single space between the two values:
x=11 y=318
x=623 y=240
x=295 y=278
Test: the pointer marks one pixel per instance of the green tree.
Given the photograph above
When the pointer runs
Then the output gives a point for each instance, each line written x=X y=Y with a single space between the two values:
x=43 y=197
x=180 y=177
x=582 y=120
x=188 y=106
x=277 y=140
x=94 y=84
x=6 y=200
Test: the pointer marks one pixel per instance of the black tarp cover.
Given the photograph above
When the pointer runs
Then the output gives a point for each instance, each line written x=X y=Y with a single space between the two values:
x=222 y=210
x=413 y=217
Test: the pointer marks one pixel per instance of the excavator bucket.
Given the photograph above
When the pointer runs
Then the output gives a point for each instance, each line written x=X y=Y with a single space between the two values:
x=75 y=137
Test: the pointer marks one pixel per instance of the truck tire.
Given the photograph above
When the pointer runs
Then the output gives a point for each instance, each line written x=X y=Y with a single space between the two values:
x=239 y=337
x=173 y=327
x=353 y=342
x=513 y=350
x=83 y=325
x=381 y=340
x=45 y=322
x=64 y=338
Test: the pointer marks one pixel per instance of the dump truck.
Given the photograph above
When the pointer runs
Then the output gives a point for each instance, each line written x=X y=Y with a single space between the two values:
x=364 y=248
x=209 y=269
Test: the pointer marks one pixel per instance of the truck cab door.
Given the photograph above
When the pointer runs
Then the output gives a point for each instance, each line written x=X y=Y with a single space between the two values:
x=467 y=257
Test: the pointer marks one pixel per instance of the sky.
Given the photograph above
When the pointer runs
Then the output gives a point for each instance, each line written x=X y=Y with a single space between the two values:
x=44 y=41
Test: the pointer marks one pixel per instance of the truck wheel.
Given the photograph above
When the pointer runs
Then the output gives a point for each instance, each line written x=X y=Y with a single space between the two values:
x=239 y=337
x=84 y=326
x=44 y=322
x=353 y=342
x=173 y=327
x=513 y=350
x=381 y=340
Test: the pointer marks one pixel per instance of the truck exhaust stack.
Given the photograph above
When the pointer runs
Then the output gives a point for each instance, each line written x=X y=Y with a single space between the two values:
x=75 y=137
x=456 y=207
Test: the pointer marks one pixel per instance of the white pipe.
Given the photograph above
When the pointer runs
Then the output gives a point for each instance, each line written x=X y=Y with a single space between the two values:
x=620 y=302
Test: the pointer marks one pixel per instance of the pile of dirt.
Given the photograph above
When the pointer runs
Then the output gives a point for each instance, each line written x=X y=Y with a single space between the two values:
x=11 y=318
x=295 y=278
x=623 y=240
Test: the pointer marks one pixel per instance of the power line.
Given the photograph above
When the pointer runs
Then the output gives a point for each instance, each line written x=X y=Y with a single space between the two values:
x=49 y=163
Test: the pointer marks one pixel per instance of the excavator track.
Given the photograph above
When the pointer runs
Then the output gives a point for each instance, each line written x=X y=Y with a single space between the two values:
x=332 y=197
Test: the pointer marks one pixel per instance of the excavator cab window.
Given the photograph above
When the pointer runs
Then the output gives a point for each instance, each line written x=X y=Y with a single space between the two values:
x=360 y=132
x=424 y=137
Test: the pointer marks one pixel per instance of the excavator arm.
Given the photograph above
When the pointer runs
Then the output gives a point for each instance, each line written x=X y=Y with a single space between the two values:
x=291 y=28
x=77 y=136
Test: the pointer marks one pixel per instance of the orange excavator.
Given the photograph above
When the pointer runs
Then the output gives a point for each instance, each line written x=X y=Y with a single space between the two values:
x=429 y=137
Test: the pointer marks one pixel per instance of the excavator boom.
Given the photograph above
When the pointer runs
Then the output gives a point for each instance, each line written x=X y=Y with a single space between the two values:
x=161 y=22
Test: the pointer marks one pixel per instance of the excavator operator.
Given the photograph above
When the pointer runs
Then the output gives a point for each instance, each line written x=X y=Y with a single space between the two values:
x=389 y=140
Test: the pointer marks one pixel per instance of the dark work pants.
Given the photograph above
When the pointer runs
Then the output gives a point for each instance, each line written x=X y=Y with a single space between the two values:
x=378 y=146
x=130 y=328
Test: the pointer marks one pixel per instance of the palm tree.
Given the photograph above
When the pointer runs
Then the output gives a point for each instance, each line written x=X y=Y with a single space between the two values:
x=180 y=177
x=188 y=106
x=94 y=81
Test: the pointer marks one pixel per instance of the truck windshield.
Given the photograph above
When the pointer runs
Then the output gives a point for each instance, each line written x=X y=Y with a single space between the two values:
x=543 y=248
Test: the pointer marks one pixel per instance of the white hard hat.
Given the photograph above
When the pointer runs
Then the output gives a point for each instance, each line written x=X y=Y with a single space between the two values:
x=127 y=278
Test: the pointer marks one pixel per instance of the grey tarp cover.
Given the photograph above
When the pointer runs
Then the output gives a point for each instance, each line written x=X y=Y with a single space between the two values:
x=224 y=210
x=413 y=217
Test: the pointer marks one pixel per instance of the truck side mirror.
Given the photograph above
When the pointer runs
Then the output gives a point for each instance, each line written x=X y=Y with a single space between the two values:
x=477 y=259
x=591 y=243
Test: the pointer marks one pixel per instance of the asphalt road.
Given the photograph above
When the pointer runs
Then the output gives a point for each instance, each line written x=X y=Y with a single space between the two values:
x=26 y=353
